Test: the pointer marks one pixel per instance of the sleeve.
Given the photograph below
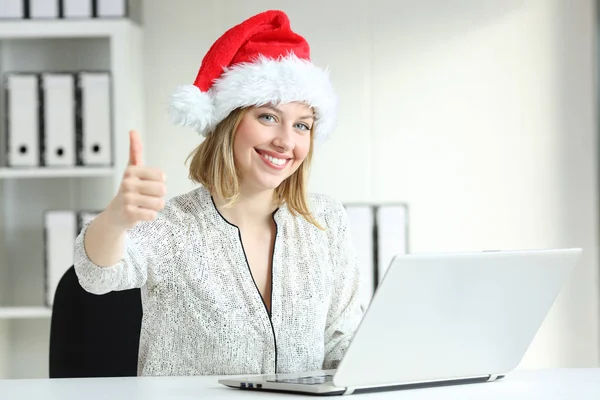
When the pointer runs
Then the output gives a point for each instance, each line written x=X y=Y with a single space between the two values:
x=345 y=312
x=148 y=245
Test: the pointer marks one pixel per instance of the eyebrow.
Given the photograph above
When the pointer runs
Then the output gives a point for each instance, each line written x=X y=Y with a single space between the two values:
x=277 y=110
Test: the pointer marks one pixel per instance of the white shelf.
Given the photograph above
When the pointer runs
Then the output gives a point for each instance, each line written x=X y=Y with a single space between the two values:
x=26 y=193
x=61 y=28
x=13 y=173
x=25 y=312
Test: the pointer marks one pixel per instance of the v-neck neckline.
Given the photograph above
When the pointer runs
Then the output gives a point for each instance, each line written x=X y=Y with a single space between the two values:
x=221 y=222
x=235 y=235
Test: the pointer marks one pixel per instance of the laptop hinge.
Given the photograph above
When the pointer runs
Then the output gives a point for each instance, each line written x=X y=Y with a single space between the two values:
x=349 y=390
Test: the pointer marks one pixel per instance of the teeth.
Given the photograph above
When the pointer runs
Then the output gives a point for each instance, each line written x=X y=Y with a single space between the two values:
x=273 y=160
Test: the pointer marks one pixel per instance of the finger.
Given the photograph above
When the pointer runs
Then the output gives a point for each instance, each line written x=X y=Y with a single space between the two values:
x=148 y=202
x=135 y=149
x=142 y=214
x=151 y=188
x=152 y=174
x=145 y=173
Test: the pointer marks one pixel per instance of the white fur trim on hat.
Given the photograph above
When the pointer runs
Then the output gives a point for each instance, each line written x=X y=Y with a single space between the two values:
x=264 y=81
x=190 y=107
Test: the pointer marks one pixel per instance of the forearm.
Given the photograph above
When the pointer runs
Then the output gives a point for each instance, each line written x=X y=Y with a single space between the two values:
x=108 y=259
x=112 y=252
x=104 y=243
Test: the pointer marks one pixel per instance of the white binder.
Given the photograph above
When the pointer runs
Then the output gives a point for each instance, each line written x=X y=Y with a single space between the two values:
x=43 y=9
x=22 y=112
x=58 y=124
x=392 y=238
x=111 y=8
x=361 y=219
x=60 y=233
x=95 y=119
x=77 y=8
x=12 y=9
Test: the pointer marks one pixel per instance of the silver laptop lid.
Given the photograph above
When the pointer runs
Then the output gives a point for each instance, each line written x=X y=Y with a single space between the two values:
x=445 y=316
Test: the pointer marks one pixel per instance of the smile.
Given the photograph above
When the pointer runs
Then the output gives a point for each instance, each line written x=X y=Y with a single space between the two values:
x=277 y=163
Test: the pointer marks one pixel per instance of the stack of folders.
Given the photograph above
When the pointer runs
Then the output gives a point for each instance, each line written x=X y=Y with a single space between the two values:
x=58 y=119
x=55 y=9
x=379 y=232
x=61 y=228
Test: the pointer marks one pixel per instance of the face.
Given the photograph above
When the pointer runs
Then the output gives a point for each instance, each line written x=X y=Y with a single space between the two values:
x=271 y=143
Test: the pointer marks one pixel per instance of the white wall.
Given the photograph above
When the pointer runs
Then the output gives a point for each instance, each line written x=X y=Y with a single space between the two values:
x=3 y=348
x=480 y=114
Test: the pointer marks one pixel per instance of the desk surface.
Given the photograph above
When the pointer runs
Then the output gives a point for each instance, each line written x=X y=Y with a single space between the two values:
x=550 y=384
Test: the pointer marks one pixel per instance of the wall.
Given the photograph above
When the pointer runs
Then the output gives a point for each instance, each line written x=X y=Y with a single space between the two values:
x=480 y=114
x=4 y=324
x=3 y=348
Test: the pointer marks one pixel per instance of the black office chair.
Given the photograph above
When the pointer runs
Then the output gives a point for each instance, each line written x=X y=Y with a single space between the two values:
x=92 y=335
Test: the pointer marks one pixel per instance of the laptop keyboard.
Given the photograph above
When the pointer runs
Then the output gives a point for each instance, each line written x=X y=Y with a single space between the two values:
x=306 y=380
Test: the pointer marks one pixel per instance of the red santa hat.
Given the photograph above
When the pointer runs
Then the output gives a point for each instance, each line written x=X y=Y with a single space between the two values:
x=260 y=61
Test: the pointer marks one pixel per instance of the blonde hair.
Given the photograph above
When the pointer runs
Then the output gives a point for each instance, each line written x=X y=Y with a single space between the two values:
x=213 y=166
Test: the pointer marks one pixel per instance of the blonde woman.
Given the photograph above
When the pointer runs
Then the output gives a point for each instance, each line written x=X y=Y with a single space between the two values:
x=247 y=273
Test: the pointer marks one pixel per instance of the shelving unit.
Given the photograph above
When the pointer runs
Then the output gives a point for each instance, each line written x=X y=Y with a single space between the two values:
x=56 y=45
x=15 y=173
x=25 y=312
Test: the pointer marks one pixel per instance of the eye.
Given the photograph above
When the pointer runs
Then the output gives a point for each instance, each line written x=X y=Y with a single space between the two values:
x=303 y=126
x=267 y=117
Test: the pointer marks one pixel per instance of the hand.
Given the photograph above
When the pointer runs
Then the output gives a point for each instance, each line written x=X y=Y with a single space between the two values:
x=141 y=193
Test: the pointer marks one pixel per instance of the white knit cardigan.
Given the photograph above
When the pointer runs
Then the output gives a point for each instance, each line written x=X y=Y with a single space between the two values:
x=202 y=312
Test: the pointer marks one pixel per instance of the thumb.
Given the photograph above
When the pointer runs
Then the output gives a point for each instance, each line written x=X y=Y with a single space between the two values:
x=135 y=148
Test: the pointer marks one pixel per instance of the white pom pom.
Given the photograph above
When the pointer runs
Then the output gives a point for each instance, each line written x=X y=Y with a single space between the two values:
x=193 y=108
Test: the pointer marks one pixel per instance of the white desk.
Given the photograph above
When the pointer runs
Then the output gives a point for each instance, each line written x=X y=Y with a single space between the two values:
x=568 y=384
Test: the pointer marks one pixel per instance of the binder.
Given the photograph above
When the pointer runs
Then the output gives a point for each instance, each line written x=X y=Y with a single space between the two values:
x=77 y=8
x=58 y=122
x=44 y=9
x=12 y=9
x=361 y=220
x=61 y=228
x=22 y=120
x=392 y=238
x=59 y=236
x=111 y=8
x=94 y=119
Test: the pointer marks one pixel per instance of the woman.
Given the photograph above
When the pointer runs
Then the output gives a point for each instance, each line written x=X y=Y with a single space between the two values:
x=247 y=273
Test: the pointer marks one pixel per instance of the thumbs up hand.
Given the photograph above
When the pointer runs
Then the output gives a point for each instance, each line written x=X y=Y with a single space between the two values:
x=141 y=193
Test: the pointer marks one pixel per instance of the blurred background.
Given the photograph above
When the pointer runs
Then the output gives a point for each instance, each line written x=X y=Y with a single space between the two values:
x=480 y=115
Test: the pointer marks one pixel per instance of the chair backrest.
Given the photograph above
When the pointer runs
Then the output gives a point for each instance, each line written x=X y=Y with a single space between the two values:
x=92 y=335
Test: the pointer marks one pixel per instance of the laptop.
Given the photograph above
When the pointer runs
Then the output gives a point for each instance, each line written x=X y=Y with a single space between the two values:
x=440 y=319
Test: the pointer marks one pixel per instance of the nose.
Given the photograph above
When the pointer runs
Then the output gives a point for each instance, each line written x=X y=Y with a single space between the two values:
x=284 y=139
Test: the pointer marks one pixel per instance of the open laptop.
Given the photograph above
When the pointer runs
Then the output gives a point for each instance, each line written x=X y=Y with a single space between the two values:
x=440 y=319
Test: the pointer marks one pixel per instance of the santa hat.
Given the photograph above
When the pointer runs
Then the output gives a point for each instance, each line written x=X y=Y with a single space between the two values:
x=260 y=61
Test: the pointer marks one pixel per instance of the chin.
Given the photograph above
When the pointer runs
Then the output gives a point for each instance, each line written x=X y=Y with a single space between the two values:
x=267 y=180
x=269 y=183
